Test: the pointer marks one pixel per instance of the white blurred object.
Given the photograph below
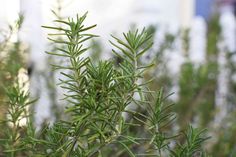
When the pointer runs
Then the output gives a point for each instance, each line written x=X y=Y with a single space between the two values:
x=222 y=87
x=197 y=44
x=8 y=11
x=8 y=17
x=186 y=12
x=175 y=58
x=227 y=44
x=33 y=35
x=228 y=25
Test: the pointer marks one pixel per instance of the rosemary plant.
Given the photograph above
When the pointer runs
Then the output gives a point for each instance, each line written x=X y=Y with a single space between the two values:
x=98 y=94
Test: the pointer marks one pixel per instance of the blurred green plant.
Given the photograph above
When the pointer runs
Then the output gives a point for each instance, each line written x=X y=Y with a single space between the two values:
x=11 y=61
x=15 y=140
x=10 y=55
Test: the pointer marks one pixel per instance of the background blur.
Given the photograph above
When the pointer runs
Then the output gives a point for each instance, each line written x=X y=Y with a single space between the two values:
x=195 y=46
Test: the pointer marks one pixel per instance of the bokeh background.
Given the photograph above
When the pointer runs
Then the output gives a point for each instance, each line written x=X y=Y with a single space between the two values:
x=195 y=46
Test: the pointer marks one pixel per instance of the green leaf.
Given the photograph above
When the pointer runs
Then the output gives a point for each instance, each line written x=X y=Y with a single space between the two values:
x=127 y=148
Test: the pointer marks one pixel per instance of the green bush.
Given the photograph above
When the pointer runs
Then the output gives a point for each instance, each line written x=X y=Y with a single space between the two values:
x=98 y=95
